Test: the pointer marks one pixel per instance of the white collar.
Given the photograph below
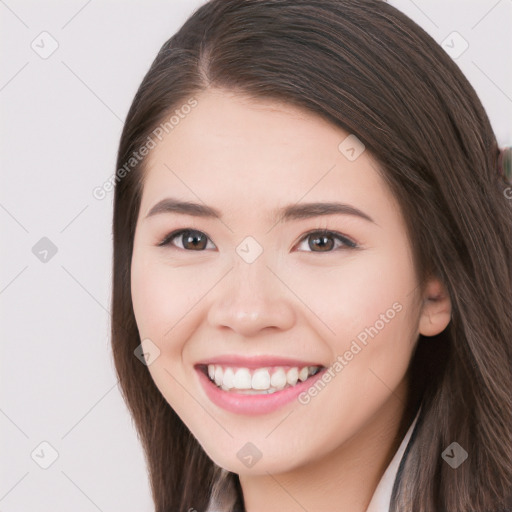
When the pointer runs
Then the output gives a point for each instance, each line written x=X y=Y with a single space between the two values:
x=381 y=498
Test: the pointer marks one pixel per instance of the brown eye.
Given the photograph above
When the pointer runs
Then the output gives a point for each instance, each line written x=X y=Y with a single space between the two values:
x=325 y=241
x=191 y=240
x=318 y=241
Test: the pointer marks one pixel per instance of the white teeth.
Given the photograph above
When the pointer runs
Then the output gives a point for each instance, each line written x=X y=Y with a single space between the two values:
x=228 y=378
x=292 y=375
x=260 y=380
x=218 y=375
x=278 y=379
x=303 y=374
x=242 y=379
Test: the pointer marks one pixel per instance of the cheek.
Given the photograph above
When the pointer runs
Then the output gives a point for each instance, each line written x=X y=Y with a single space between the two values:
x=161 y=295
x=157 y=302
x=365 y=306
x=353 y=294
x=161 y=299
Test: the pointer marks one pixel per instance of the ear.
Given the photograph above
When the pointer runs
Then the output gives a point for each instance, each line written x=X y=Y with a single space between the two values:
x=436 y=311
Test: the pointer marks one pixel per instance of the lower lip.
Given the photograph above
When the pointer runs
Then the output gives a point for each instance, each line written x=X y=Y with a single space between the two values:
x=254 y=404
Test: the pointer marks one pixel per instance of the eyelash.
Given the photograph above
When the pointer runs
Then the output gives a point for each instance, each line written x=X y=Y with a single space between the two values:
x=347 y=243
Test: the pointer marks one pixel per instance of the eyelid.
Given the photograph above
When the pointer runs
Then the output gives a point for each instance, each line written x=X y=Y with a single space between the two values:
x=347 y=242
x=174 y=234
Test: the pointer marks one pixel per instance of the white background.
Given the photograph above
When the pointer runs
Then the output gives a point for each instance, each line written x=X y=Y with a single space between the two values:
x=61 y=119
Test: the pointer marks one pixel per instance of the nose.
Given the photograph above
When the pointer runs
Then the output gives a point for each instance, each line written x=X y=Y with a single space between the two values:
x=250 y=299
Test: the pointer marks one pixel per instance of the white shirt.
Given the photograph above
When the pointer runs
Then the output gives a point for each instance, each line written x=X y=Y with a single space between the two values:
x=381 y=498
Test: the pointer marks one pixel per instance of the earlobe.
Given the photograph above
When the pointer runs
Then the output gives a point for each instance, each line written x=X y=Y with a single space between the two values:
x=436 y=311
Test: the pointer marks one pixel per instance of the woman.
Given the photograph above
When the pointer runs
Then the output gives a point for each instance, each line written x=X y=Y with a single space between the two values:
x=375 y=376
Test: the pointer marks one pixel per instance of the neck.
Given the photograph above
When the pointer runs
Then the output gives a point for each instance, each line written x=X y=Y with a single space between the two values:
x=344 y=480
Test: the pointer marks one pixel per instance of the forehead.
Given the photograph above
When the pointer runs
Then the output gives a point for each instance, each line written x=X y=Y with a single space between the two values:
x=233 y=151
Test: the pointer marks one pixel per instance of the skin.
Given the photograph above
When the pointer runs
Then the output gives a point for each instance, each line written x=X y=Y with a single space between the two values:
x=246 y=158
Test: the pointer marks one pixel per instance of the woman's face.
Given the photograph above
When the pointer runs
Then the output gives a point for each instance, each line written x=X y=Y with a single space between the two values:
x=264 y=296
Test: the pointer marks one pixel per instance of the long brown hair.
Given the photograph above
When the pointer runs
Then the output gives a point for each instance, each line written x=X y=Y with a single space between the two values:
x=367 y=68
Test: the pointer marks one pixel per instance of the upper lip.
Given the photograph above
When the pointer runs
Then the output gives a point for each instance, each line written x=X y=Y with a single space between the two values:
x=255 y=361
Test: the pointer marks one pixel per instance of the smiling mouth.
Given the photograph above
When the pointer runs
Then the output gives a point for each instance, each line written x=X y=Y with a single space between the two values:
x=257 y=381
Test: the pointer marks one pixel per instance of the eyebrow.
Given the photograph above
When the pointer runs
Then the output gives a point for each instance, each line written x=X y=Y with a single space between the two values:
x=287 y=213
